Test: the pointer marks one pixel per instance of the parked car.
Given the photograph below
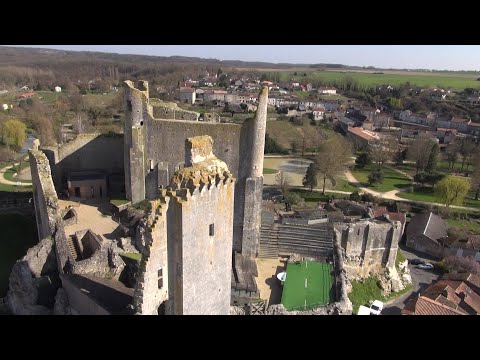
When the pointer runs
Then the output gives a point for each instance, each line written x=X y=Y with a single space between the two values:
x=425 y=266
x=376 y=307
x=416 y=261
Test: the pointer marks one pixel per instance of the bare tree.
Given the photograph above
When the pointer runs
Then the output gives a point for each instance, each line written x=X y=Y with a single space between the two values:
x=383 y=150
x=283 y=182
x=465 y=148
x=419 y=151
x=79 y=122
x=333 y=157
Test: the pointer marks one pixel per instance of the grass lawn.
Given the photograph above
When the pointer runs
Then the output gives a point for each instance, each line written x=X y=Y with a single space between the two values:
x=269 y=171
x=391 y=179
x=427 y=194
x=471 y=226
x=8 y=175
x=400 y=257
x=314 y=196
x=443 y=166
x=342 y=185
x=308 y=285
x=15 y=188
x=118 y=202
x=406 y=168
x=133 y=256
x=19 y=233
x=368 y=291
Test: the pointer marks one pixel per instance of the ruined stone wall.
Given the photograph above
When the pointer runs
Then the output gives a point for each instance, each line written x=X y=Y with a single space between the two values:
x=47 y=212
x=44 y=195
x=240 y=146
x=160 y=112
x=369 y=245
x=152 y=281
x=86 y=152
x=79 y=300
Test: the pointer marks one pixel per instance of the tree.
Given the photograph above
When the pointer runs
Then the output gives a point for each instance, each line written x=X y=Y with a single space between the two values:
x=465 y=149
x=283 y=182
x=452 y=190
x=79 y=122
x=451 y=155
x=310 y=179
x=399 y=156
x=419 y=151
x=333 y=157
x=355 y=196
x=375 y=177
x=363 y=159
x=476 y=173
x=13 y=133
x=433 y=158
x=383 y=150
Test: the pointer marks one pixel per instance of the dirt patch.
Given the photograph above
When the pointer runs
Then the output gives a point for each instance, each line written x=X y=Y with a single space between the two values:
x=95 y=217
x=267 y=282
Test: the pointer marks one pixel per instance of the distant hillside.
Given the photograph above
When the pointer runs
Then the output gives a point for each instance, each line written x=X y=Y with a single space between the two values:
x=43 y=69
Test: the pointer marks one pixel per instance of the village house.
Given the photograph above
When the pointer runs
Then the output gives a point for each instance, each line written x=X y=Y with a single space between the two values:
x=327 y=90
x=318 y=113
x=361 y=137
x=427 y=233
x=445 y=297
x=27 y=95
x=58 y=89
x=187 y=95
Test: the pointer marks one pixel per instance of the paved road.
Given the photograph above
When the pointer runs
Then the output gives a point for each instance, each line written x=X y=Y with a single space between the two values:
x=421 y=279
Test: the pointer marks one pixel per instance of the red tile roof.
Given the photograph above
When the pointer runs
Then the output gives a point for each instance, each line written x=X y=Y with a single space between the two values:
x=319 y=109
x=460 y=120
x=471 y=279
x=362 y=133
x=425 y=306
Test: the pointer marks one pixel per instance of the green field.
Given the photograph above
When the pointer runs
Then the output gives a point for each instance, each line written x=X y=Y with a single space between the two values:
x=427 y=194
x=269 y=171
x=133 y=256
x=472 y=226
x=454 y=81
x=19 y=233
x=363 y=293
x=308 y=285
x=391 y=179
x=310 y=196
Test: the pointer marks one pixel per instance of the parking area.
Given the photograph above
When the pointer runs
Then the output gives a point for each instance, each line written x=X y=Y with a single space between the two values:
x=421 y=279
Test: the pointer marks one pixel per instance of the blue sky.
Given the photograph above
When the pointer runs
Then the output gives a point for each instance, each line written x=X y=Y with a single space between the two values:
x=439 y=57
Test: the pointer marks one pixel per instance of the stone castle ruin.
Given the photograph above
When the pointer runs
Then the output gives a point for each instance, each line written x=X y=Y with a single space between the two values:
x=201 y=211
x=189 y=240
x=187 y=257
x=153 y=151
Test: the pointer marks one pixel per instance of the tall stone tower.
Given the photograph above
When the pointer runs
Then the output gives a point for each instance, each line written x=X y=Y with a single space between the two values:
x=252 y=151
x=195 y=216
x=136 y=107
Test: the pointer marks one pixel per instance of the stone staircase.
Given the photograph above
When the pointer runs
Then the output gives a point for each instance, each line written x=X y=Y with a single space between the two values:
x=277 y=239
x=268 y=241
x=72 y=248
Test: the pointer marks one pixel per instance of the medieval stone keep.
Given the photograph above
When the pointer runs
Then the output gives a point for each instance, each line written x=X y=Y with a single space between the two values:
x=187 y=257
x=153 y=153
